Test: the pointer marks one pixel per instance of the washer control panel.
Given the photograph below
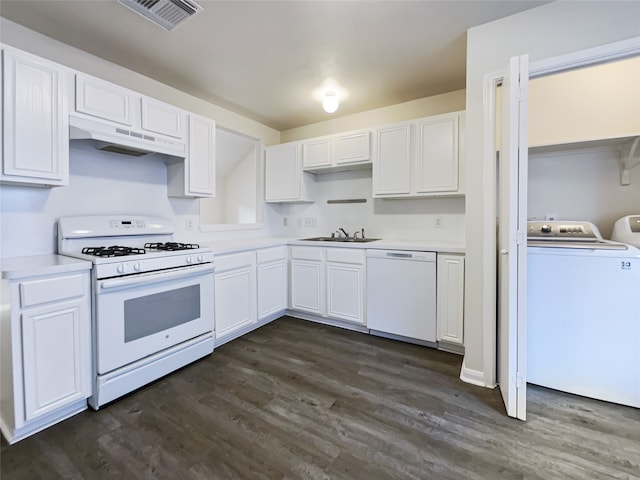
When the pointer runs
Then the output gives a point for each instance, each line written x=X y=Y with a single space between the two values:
x=563 y=230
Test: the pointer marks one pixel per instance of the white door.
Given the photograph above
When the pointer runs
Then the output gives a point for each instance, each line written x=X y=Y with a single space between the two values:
x=512 y=239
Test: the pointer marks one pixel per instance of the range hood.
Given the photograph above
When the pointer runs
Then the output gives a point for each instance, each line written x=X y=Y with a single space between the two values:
x=123 y=140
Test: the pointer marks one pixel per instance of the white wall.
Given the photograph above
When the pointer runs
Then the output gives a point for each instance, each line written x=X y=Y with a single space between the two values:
x=240 y=192
x=422 y=107
x=404 y=219
x=582 y=184
x=28 y=214
x=544 y=32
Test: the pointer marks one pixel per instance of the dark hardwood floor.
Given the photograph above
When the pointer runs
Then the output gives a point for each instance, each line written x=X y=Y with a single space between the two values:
x=299 y=400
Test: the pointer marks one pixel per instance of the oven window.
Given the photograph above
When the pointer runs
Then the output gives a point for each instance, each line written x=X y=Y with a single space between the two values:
x=151 y=314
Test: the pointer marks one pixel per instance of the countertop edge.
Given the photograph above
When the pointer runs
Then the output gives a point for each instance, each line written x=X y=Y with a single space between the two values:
x=37 y=265
x=239 y=245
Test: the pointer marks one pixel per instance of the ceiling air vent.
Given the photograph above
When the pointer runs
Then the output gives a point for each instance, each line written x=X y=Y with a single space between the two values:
x=166 y=13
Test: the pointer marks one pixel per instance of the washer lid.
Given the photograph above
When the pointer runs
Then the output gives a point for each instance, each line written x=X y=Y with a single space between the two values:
x=627 y=230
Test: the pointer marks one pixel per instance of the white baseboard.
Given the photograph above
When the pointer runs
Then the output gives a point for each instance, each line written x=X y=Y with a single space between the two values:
x=475 y=377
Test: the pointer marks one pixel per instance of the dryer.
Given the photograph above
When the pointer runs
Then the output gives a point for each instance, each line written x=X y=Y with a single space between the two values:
x=583 y=312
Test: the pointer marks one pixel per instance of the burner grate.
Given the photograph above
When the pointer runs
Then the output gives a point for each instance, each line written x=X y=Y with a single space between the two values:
x=171 y=246
x=112 y=251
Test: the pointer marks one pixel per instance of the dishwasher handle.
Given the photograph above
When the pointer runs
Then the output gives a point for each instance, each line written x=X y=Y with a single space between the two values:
x=402 y=255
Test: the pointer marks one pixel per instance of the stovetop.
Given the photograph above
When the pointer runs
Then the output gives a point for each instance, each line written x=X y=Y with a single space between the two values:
x=124 y=245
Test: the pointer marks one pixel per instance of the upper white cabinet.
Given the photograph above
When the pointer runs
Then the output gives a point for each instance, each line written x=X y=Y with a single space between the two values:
x=105 y=100
x=46 y=350
x=437 y=155
x=159 y=117
x=344 y=151
x=419 y=158
x=196 y=175
x=35 y=121
x=450 y=298
x=392 y=167
x=284 y=179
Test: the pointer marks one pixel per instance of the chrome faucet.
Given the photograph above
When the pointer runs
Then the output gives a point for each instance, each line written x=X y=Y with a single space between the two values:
x=361 y=232
x=343 y=231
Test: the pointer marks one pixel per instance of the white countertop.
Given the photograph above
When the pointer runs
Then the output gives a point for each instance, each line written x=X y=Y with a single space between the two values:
x=19 y=267
x=237 y=245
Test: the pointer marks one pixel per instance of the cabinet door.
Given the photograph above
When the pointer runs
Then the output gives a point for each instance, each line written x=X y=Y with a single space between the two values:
x=56 y=356
x=272 y=288
x=392 y=161
x=105 y=100
x=235 y=300
x=307 y=286
x=35 y=121
x=282 y=173
x=353 y=148
x=450 y=303
x=345 y=292
x=316 y=153
x=160 y=117
x=201 y=162
x=437 y=155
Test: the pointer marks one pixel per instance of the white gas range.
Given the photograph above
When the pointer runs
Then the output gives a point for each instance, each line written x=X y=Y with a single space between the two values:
x=153 y=309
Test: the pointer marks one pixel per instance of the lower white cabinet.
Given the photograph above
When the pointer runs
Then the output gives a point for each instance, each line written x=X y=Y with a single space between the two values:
x=235 y=292
x=345 y=284
x=307 y=280
x=450 y=298
x=250 y=290
x=272 y=281
x=328 y=282
x=46 y=350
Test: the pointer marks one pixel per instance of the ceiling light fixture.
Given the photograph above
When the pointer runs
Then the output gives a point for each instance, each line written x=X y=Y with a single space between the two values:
x=330 y=102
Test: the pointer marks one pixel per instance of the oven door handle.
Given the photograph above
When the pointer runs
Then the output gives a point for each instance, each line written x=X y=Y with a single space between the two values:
x=148 y=278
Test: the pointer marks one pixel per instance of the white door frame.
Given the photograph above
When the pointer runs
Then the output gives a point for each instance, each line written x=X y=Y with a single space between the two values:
x=578 y=59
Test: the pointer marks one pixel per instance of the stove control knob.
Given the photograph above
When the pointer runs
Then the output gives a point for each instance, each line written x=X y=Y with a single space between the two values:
x=200 y=258
x=189 y=259
x=137 y=266
x=545 y=228
x=122 y=268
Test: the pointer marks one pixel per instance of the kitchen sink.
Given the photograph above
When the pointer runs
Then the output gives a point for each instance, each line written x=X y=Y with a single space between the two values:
x=340 y=239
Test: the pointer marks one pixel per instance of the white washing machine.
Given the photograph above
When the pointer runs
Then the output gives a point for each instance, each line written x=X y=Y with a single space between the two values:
x=583 y=312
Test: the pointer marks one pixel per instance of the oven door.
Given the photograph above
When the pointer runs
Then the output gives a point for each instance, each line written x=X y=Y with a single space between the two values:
x=140 y=315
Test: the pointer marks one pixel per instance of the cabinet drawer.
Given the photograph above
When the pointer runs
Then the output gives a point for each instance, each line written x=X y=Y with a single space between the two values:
x=345 y=255
x=234 y=260
x=307 y=253
x=272 y=254
x=34 y=292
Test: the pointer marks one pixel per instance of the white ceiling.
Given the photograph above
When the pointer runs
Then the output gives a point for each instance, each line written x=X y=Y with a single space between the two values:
x=265 y=59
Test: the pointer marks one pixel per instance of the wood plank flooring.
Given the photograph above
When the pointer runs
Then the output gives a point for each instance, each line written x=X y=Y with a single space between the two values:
x=299 y=400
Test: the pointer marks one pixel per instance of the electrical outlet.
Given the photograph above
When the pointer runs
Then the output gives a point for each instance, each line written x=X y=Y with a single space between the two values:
x=437 y=221
x=299 y=221
x=189 y=223
x=313 y=221
x=285 y=221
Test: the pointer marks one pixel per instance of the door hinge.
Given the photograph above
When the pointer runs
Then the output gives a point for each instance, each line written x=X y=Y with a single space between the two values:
x=518 y=380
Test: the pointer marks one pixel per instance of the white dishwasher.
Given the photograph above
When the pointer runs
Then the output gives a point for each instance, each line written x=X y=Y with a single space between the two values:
x=401 y=294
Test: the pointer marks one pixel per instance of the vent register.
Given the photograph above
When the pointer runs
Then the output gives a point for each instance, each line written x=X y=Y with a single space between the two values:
x=167 y=14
